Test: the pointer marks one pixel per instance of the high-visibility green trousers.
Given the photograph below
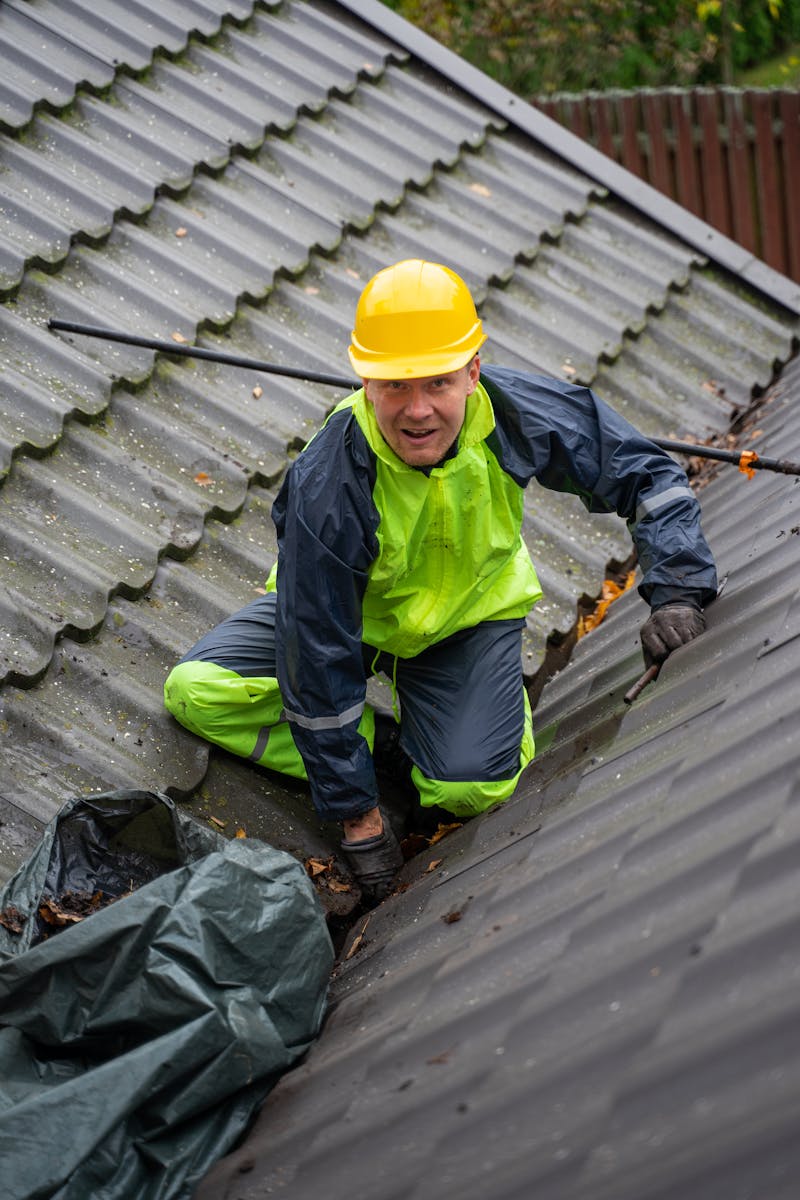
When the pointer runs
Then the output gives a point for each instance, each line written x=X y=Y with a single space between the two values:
x=465 y=719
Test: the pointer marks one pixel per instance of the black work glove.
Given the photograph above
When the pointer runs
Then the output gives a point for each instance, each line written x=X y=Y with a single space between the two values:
x=668 y=627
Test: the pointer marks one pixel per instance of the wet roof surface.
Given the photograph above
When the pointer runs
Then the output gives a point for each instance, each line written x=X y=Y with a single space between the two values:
x=232 y=174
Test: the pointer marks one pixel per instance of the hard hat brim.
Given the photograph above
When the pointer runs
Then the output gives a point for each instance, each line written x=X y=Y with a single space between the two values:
x=368 y=364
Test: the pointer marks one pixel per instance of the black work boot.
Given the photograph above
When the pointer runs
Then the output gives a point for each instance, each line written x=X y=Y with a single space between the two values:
x=374 y=862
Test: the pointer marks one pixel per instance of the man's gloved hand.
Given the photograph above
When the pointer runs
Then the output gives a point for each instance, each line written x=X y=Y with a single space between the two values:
x=668 y=627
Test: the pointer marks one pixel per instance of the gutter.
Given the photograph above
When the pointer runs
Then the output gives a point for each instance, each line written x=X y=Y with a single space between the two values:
x=548 y=132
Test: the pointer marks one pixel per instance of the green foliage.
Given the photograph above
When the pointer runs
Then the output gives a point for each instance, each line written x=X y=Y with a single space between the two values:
x=536 y=47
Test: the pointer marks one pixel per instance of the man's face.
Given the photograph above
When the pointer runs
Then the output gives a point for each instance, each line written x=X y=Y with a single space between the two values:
x=421 y=418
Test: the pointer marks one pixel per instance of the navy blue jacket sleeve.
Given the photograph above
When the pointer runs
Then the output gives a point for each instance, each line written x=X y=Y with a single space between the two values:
x=326 y=521
x=571 y=441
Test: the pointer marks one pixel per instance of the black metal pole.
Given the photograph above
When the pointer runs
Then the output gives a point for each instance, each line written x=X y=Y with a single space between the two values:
x=350 y=385
x=231 y=360
x=729 y=456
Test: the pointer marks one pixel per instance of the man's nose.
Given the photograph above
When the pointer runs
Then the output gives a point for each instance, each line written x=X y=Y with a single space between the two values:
x=418 y=404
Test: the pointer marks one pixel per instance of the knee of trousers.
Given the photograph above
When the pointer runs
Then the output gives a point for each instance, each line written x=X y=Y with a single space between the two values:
x=179 y=694
x=218 y=704
x=468 y=798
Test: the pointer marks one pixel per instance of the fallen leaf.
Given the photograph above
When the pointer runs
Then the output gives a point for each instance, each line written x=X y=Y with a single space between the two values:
x=439 y=1058
x=336 y=885
x=480 y=189
x=609 y=592
x=203 y=479
x=71 y=907
x=311 y=291
x=353 y=274
x=451 y=917
x=443 y=831
x=356 y=946
x=216 y=821
x=12 y=919
x=258 y=391
x=432 y=865
x=756 y=433
x=241 y=833
x=178 y=337
x=413 y=843
x=181 y=231
x=316 y=866
x=53 y=915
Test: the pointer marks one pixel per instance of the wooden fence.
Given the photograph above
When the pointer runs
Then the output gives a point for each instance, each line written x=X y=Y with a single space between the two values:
x=729 y=155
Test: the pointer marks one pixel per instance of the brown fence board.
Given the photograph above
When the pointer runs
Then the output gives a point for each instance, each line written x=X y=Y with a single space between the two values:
x=739 y=171
x=687 y=178
x=789 y=108
x=655 y=119
x=601 y=115
x=629 y=124
x=716 y=207
x=770 y=207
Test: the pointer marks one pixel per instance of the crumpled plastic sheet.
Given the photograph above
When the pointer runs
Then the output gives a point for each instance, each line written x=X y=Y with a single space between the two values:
x=137 y=1044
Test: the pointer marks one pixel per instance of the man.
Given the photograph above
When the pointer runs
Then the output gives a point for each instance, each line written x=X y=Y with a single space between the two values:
x=399 y=551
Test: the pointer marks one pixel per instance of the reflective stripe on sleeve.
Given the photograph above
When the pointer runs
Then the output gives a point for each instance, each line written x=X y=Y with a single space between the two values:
x=654 y=503
x=337 y=721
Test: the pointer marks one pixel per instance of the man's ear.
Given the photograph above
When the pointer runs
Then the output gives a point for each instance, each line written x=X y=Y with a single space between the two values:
x=474 y=372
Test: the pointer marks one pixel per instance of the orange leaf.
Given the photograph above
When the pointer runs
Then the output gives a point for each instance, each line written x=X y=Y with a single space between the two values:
x=336 y=885
x=443 y=831
x=181 y=232
x=203 y=479
x=178 y=337
x=356 y=946
x=609 y=592
x=241 y=833
x=432 y=865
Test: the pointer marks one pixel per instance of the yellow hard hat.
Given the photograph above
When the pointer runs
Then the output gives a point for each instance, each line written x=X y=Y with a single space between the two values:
x=414 y=319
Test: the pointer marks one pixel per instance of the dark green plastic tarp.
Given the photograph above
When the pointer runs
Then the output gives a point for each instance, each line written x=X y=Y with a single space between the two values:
x=137 y=1043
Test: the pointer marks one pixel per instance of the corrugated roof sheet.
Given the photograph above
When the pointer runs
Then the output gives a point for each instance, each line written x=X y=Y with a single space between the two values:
x=233 y=173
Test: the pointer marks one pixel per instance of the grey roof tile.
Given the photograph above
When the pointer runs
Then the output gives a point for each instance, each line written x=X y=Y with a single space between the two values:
x=39 y=68
x=118 y=33
x=112 y=155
